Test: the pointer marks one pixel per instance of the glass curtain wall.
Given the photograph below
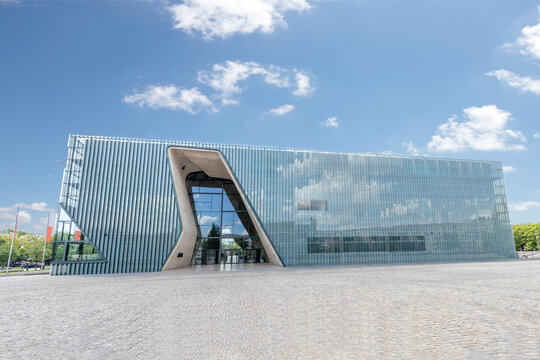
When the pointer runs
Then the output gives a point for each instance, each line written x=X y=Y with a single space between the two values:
x=70 y=244
x=317 y=208
x=225 y=233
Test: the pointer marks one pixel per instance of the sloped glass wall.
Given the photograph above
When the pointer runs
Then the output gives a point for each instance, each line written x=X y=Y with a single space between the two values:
x=70 y=243
x=225 y=232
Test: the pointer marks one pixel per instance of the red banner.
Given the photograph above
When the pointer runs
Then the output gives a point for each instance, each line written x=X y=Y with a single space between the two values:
x=77 y=236
x=16 y=223
x=49 y=232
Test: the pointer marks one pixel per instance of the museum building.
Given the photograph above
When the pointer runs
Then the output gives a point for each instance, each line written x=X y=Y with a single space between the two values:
x=132 y=205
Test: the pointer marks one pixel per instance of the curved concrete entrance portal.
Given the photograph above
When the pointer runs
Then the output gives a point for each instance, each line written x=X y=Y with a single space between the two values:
x=185 y=161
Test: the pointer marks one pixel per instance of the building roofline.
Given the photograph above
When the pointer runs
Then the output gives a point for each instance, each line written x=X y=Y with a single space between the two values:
x=210 y=145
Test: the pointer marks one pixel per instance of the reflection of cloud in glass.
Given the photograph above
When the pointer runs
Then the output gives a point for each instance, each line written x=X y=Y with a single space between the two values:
x=317 y=165
x=400 y=209
x=206 y=219
x=343 y=194
x=363 y=191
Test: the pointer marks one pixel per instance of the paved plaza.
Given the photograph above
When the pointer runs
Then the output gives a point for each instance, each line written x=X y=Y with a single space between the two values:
x=459 y=310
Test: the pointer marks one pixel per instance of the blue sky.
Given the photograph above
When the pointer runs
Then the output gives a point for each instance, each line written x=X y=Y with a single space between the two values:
x=441 y=78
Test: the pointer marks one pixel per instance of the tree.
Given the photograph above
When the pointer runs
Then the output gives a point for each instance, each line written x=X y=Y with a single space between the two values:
x=213 y=240
x=4 y=252
x=26 y=246
x=34 y=248
x=242 y=242
x=5 y=244
x=526 y=236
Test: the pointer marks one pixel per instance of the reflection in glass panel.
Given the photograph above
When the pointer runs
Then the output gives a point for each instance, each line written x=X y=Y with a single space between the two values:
x=70 y=244
x=216 y=202
x=205 y=230
x=210 y=243
x=312 y=205
x=81 y=251
x=233 y=203
x=228 y=218
x=203 y=202
x=209 y=189
x=239 y=228
x=226 y=233
x=58 y=251
x=208 y=217
x=226 y=230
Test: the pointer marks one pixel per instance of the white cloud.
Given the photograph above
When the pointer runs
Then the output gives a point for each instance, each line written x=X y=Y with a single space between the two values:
x=523 y=206
x=484 y=128
x=207 y=219
x=10 y=214
x=522 y=83
x=225 y=77
x=169 y=97
x=42 y=224
x=508 y=168
x=399 y=209
x=37 y=206
x=411 y=149
x=529 y=41
x=282 y=110
x=331 y=122
x=4 y=211
x=220 y=19
x=24 y=217
x=225 y=80
x=536 y=135
x=303 y=86
x=10 y=2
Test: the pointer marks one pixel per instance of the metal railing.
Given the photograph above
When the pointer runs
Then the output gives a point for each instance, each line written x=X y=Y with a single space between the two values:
x=528 y=254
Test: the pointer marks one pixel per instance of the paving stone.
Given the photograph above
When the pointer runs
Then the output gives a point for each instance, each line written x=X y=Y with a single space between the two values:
x=423 y=311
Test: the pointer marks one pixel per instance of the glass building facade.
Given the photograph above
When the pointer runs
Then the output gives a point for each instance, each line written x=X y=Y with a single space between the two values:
x=317 y=208
x=224 y=228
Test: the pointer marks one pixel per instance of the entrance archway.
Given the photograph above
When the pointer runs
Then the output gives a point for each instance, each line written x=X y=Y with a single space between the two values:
x=186 y=161
x=225 y=232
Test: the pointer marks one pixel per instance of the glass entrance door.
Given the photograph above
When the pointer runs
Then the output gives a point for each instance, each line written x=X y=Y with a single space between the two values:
x=225 y=232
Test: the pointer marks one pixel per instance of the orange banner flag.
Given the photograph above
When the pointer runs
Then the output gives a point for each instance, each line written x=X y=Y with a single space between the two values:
x=49 y=233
